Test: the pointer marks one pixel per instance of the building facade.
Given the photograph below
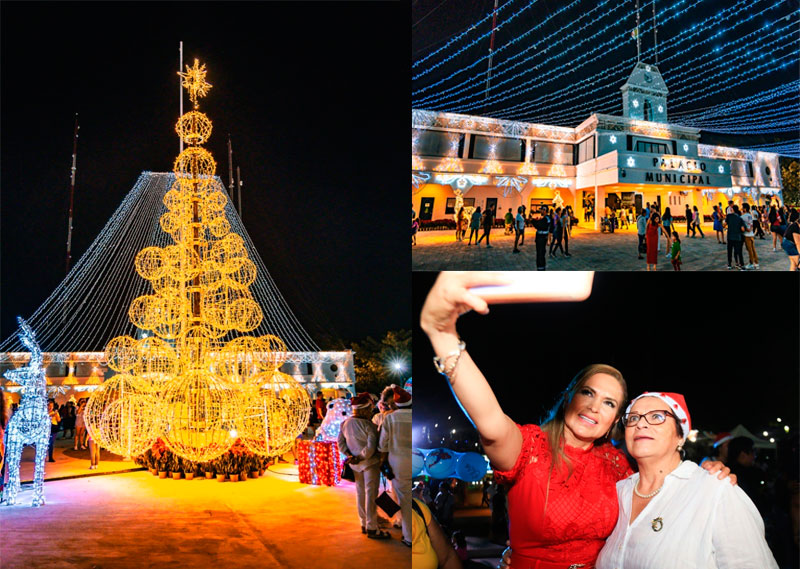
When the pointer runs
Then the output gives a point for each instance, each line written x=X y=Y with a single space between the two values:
x=77 y=374
x=606 y=161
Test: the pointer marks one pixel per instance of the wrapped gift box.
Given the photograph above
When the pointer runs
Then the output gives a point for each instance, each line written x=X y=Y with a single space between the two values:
x=319 y=462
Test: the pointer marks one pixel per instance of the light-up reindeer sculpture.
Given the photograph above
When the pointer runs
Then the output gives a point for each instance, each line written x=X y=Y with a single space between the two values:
x=30 y=425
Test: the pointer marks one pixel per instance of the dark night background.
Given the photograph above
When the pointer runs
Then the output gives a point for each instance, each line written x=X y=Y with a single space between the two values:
x=311 y=93
x=435 y=22
x=730 y=347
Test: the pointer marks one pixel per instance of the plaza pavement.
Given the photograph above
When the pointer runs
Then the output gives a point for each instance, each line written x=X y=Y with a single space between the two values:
x=99 y=520
x=590 y=250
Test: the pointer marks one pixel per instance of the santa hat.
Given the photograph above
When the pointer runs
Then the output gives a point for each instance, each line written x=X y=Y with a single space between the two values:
x=361 y=401
x=675 y=403
x=722 y=438
x=402 y=398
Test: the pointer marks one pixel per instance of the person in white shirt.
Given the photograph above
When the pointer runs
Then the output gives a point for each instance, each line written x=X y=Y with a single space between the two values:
x=749 y=235
x=672 y=515
x=386 y=406
x=358 y=440
x=395 y=443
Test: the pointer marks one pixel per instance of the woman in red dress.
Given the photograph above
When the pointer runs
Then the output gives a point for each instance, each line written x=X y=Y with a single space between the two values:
x=651 y=235
x=562 y=500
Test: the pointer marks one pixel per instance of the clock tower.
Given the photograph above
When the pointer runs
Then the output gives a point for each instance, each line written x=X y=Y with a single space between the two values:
x=644 y=94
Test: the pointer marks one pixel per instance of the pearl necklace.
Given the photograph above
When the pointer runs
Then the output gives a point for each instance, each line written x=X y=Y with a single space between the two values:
x=650 y=495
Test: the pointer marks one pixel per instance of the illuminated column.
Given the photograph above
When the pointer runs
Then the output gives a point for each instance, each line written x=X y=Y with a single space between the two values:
x=697 y=200
x=599 y=205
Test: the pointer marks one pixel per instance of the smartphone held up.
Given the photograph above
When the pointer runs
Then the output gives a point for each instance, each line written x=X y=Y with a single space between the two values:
x=538 y=286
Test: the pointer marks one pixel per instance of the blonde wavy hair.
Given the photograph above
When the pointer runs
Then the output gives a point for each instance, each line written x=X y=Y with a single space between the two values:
x=553 y=424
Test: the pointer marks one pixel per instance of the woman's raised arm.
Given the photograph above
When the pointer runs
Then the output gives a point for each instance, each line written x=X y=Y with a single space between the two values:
x=447 y=300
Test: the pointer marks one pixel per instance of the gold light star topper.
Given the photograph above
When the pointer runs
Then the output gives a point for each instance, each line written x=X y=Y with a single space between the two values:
x=194 y=81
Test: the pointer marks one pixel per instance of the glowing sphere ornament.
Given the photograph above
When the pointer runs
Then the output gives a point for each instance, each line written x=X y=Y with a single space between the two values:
x=120 y=416
x=199 y=412
x=275 y=411
x=194 y=128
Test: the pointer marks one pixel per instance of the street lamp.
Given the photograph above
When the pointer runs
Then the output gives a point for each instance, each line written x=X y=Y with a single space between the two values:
x=397 y=365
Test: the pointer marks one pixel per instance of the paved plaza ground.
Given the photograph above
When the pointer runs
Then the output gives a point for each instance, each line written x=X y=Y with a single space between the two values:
x=590 y=250
x=136 y=520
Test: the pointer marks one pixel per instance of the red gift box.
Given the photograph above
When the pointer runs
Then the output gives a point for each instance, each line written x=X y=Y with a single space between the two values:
x=319 y=462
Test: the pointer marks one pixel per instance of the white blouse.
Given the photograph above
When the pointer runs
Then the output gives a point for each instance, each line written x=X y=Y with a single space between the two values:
x=696 y=522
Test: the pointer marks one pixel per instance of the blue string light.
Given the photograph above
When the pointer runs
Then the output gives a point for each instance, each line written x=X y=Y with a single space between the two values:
x=790 y=148
x=691 y=80
x=463 y=34
x=498 y=69
x=782 y=112
x=602 y=49
x=742 y=104
x=683 y=37
x=473 y=43
x=690 y=73
x=774 y=65
x=686 y=35
x=552 y=43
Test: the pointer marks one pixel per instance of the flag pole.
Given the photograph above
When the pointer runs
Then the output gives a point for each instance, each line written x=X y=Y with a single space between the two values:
x=655 y=30
x=180 y=88
x=72 y=191
x=491 y=51
x=638 y=41
x=230 y=167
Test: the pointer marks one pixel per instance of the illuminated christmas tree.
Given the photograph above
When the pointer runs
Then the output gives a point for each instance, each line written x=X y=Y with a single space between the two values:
x=191 y=378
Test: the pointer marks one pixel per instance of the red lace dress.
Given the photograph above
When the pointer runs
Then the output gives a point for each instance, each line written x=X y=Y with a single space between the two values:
x=581 y=509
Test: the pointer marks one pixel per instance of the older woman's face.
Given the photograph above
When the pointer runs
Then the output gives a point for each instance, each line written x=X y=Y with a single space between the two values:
x=593 y=409
x=651 y=441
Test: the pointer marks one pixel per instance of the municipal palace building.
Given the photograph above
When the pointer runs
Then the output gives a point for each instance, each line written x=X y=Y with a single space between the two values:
x=607 y=160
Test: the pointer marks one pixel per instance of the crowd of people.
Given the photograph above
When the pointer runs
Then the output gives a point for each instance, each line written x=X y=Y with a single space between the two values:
x=739 y=227
x=377 y=443
x=552 y=225
x=734 y=226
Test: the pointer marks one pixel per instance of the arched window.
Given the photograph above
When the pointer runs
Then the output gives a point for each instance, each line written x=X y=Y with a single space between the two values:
x=648 y=110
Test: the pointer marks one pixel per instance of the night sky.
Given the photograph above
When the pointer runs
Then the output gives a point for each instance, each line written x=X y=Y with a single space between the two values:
x=729 y=346
x=312 y=95
x=437 y=22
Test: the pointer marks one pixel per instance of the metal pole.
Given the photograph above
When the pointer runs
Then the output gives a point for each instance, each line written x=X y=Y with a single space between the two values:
x=638 y=41
x=72 y=191
x=655 y=30
x=239 y=183
x=491 y=50
x=180 y=87
x=230 y=166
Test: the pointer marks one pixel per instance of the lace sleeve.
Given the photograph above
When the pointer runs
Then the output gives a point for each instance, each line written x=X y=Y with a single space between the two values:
x=532 y=445
x=618 y=462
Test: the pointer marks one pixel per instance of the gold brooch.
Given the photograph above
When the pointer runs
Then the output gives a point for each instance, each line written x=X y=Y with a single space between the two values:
x=657 y=524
